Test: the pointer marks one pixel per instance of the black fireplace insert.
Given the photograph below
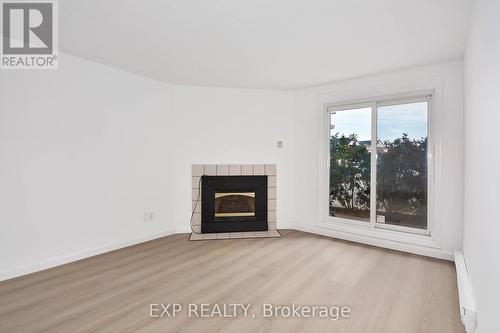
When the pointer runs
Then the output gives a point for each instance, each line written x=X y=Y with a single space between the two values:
x=233 y=203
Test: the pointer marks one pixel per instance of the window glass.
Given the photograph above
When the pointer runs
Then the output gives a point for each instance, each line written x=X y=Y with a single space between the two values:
x=350 y=146
x=402 y=165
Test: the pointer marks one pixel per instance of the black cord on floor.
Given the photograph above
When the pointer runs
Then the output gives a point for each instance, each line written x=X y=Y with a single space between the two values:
x=195 y=205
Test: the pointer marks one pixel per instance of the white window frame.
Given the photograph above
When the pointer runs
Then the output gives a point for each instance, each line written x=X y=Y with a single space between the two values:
x=427 y=238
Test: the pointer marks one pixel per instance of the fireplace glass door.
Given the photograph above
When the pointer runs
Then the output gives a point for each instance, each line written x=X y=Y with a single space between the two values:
x=238 y=206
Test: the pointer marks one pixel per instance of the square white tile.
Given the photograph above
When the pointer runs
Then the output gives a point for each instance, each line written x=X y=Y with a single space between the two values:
x=247 y=169
x=210 y=169
x=222 y=170
x=259 y=170
x=270 y=169
x=235 y=170
x=197 y=170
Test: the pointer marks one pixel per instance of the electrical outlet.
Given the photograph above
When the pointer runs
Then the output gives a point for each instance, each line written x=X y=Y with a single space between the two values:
x=380 y=219
x=149 y=216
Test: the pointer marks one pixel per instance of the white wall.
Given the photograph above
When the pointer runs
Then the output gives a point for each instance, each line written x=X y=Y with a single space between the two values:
x=84 y=152
x=309 y=122
x=482 y=162
x=232 y=126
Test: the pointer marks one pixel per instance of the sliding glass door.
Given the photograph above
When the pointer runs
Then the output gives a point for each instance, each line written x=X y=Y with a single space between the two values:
x=378 y=164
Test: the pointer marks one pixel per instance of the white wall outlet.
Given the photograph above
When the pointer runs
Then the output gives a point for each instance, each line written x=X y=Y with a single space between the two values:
x=149 y=216
x=279 y=144
x=380 y=219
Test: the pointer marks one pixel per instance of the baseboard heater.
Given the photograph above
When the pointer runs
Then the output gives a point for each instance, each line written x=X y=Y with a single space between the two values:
x=468 y=312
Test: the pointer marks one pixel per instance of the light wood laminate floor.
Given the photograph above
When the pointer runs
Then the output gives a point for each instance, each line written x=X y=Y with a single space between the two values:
x=387 y=291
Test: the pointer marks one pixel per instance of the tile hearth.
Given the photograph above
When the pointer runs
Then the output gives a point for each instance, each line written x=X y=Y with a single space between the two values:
x=236 y=235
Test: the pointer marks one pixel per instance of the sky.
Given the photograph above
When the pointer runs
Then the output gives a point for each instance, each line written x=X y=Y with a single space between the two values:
x=392 y=121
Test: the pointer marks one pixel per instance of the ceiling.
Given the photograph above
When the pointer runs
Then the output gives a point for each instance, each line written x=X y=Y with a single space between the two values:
x=278 y=44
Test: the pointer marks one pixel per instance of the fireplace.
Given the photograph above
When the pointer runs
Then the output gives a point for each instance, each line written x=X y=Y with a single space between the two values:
x=233 y=203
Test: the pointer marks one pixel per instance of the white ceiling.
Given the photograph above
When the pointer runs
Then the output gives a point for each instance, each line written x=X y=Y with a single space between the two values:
x=263 y=43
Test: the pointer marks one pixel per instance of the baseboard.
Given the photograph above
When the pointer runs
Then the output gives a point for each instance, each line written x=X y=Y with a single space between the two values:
x=182 y=230
x=285 y=226
x=61 y=260
x=468 y=312
x=392 y=245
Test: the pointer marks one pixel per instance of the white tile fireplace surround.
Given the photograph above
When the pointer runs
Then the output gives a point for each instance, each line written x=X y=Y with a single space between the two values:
x=269 y=170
